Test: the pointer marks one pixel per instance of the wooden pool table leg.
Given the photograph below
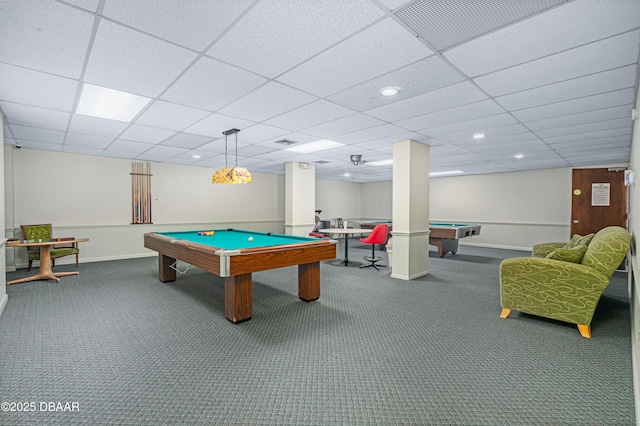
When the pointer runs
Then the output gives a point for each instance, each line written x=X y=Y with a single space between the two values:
x=309 y=281
x=165 y=272
x=238 y=298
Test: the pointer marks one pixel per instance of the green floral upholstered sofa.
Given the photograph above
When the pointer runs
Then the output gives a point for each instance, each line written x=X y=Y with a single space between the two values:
x=564 y=281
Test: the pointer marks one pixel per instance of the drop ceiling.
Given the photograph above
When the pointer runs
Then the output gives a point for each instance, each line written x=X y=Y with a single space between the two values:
x=553 y=80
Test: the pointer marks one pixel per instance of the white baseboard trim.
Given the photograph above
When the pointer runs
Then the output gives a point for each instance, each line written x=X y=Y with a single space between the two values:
x=89 y=260
x=496 y=246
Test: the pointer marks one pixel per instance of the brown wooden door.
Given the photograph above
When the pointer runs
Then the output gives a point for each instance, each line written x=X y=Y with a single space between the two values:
x=599 y=200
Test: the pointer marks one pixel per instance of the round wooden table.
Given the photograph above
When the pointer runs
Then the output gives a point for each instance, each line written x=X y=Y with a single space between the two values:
x=45 y=272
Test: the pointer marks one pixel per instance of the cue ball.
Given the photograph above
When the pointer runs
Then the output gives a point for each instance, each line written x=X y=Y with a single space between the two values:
x=250 y=238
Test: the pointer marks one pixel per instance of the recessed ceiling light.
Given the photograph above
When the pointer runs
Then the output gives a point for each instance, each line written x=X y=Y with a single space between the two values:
x=195 y=156
x=315 y=146
x=101 y=102
x=519 y=156
x=478 y=135
x=380 y=162
x=346 y=175
x=452 y=172
x=390 y=91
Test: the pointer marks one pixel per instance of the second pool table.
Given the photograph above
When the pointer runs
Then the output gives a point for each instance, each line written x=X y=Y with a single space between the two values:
x=444 y=236
x=235 y=254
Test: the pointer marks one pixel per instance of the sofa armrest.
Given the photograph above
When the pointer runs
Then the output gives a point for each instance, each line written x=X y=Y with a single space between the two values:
x=551 y=288
x=542 y=250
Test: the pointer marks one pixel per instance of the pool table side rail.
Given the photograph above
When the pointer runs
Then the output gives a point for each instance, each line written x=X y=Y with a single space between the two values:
x=226 y=263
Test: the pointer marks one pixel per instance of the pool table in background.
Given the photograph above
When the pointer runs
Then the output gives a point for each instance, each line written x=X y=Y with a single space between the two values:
x=445 y=236
x=229 y=254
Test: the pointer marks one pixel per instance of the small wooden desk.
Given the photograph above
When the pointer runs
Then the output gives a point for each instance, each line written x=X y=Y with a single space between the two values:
x=45 y=272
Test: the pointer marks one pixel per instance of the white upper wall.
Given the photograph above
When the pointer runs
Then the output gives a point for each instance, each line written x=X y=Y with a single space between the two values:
x=535 y=197
x=338 y=199
x=79 y=190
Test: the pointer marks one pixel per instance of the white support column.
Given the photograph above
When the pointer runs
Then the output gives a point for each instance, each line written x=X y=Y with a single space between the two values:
x=3 y=278
x=410 y=210
x=299 y=198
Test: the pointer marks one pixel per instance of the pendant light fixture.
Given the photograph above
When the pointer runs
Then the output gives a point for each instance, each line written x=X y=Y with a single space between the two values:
x=234 y=174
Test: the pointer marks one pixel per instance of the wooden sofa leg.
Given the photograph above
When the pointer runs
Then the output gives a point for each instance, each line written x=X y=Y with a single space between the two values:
x=505 y=312
x=585 y=330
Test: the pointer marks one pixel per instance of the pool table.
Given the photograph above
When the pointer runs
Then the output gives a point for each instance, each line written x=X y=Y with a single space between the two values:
x=445 y=236
x=235 y=254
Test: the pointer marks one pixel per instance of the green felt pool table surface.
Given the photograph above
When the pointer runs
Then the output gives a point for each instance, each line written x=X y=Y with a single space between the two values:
x=236 y=239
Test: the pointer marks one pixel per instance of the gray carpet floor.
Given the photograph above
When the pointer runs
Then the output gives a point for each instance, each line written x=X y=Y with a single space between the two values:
x=373 y=350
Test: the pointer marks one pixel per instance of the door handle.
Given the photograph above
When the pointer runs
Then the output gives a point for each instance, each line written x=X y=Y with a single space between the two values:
x=575 y=221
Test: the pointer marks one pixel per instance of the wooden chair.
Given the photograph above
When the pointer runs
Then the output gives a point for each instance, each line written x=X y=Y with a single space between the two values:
x=44 y=232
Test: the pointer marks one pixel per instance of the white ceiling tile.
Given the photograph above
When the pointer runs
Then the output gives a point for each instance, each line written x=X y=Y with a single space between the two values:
x=497 y=136
x=580 y=149
x=348 y=124
x=587 y=103
x=194 y=23
x=151 y=64
x=437 y=100
x=372 y=133
x=35 y=88
x=260 y=132
x=138 y=133
x=275 y=36
x=87 y=141
x=624 y=77
x=480 y=125
x=215 y=124
x=267 y=101
x=600 y=56
x=581 y=118
x=160 y=153
x=167 y=115
x=34 y=116
x=309 y=115
x=582 y=143
x=186 y=140
x=118 y=154
x=415 y=79
x=251 y=150
x=296 y=137
x=366 y=55
x=86 y=125
x=388 y=141
x=210 y=85
x=454 y=115
x=575 y=73
x=37 y=134
x=81 y=150
x=589 y=127
x=53 y=37
x=570 y=25
x=120 y=145
x=586 y=135
x=91 y=5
